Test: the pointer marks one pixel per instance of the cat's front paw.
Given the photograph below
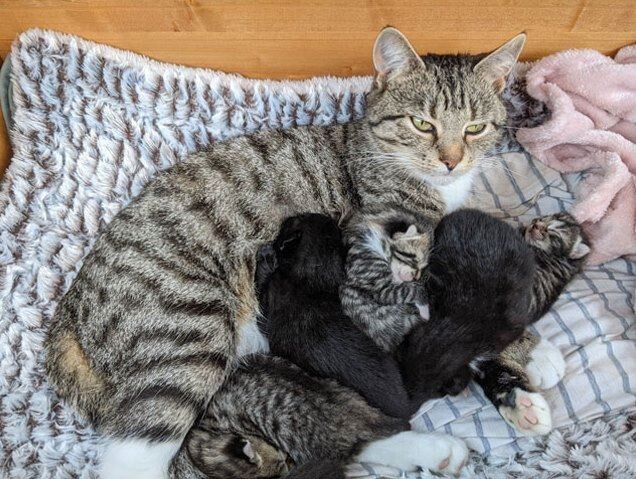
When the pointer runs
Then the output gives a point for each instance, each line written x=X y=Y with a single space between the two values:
x=527 y=412
x=546 y=367
x=411 y=450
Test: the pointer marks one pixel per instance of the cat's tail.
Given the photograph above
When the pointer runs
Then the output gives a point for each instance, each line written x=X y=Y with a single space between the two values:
x=318 y=469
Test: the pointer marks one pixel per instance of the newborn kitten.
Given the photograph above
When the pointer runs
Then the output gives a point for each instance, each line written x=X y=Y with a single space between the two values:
x=224 y=456
x=298 y=280
x=560 y=249
x=479 y=286
x=381 y=293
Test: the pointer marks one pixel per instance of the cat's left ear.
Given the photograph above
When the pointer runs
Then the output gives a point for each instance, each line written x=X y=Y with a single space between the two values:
x=579 y=250
x=497 y=65
x=393 y=55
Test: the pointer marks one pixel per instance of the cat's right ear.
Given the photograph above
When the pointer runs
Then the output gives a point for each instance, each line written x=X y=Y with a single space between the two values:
x=496 y=66
x=393 y=55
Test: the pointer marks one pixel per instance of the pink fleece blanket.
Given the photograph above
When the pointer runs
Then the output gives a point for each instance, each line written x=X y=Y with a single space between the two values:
x=592 y=129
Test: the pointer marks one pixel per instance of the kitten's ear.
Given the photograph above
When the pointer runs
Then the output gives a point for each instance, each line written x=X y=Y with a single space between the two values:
x=411 y=232
x=393 y=55
x=579 y=250
x=250 y=453
x=498 y=64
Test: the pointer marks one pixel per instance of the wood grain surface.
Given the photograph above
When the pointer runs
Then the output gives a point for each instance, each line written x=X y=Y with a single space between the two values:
x=298 y=38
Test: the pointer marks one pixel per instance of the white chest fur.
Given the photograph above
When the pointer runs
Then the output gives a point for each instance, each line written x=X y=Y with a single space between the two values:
x=456 y=193
x=251 y=340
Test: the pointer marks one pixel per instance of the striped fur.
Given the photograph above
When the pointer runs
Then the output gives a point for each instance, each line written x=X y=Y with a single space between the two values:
x=382 y=308
x=152 y=324
x=304 y=417
x=227 y=456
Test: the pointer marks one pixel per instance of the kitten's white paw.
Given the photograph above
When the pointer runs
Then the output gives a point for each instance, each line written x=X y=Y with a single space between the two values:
x=531 y=415
x=410 y=450
x=546 y=367
x=425 y=312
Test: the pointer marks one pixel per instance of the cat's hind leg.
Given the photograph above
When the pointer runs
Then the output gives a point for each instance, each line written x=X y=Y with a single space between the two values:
x=508 y=387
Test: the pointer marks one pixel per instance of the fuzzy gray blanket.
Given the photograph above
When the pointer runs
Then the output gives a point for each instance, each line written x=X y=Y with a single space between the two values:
x=91 y=127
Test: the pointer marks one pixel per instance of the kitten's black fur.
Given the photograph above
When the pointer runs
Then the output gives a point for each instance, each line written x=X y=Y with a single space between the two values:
x=480 y=287
x=298 y=281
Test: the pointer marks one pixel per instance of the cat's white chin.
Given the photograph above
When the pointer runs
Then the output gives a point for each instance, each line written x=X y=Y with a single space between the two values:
x=454 y=189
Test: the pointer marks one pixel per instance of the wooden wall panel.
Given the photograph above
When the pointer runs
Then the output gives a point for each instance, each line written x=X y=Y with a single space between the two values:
x=301 y=38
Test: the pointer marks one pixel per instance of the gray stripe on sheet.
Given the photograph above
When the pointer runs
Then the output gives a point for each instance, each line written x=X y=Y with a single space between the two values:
x=605 y=299
x=567 y=401
x=599 y=334
x=452 y=407
x=480 y=434
x=478 y=394
x=427 y=421
x=488 y=187
x=592 y=286
x=585 y=360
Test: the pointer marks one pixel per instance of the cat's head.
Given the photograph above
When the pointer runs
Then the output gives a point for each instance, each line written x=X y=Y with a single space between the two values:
x=558 y=235
x=309 y=249
x=437 y=115
x=409 y=254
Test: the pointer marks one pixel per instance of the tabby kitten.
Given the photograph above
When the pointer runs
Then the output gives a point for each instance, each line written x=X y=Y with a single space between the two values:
x=164 y=305
x=303 y=318
x=387 y=253
x=311 y=420
x=229 y=456
x=479 y=284
x=560 y=248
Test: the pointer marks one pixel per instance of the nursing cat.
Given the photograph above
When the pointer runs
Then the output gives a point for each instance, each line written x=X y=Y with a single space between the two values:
x=164 y=305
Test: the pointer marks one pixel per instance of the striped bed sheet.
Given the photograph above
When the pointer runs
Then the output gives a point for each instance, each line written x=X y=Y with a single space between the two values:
x=592 y=323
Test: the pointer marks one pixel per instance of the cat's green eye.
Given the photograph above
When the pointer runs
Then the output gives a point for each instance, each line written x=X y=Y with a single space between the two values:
x=422 y=125
x=475 y=129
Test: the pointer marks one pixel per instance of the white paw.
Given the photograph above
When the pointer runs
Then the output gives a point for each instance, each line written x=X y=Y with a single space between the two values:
x=531 y=415
x=411 y=450
x=546 y=367
x=425 y=312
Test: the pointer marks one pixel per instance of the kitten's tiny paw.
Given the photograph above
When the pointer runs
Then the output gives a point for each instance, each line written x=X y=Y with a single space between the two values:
x=411 y=450
x=530 y=415
x=424 y=311
x=546 y=367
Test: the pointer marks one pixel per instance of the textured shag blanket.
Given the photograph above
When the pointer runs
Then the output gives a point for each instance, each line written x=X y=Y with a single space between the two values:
x=92 y=125
x=592 y=129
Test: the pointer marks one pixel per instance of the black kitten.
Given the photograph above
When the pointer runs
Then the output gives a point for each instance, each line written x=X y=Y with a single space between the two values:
x=480 y=288
x=298 y=280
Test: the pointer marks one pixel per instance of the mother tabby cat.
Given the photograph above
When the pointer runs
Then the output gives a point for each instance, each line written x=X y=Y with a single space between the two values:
x=164 y=304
